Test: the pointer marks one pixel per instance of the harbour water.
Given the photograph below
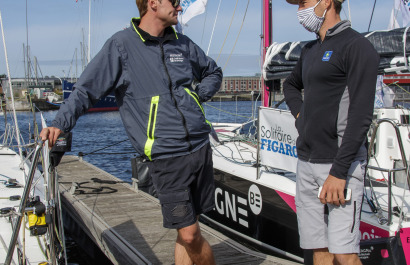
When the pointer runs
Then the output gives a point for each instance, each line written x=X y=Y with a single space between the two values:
x=101 y=138
x=94 y=132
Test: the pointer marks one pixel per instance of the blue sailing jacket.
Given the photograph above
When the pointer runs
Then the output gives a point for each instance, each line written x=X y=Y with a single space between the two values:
x=152 y=80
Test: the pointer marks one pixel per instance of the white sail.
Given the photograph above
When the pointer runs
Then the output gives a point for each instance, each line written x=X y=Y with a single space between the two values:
x=400 y=7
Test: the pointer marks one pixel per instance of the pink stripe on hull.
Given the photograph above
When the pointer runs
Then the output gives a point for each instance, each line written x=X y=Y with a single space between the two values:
x=289 y=199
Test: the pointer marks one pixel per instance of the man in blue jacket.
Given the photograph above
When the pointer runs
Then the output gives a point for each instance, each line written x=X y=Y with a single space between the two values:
x=337 y=73
x=152 y=69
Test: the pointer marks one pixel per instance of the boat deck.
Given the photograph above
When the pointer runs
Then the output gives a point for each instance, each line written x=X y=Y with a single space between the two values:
x=127 y=225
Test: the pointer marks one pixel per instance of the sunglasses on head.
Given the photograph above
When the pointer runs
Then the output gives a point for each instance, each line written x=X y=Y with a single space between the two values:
x=175 y=3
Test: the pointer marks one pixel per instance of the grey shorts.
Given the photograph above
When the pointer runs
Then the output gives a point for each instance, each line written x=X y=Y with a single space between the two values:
x=338 y=228
x=185 y=186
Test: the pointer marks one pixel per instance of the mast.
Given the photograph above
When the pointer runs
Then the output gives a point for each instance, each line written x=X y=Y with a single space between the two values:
x=267 y=40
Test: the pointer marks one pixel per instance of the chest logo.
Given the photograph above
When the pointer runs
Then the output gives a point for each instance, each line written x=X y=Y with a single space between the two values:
x=326 y=56
x=176 y=58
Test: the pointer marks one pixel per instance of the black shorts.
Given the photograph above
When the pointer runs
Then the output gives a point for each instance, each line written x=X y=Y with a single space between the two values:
x=185 y=186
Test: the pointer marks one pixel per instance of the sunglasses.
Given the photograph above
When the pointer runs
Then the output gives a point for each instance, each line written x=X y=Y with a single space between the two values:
x=175 y=3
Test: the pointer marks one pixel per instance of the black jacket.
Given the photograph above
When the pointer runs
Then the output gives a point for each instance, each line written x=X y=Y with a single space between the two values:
x=338 y=77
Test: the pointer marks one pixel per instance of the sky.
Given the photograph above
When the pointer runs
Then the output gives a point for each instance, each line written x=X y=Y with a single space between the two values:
x=55 y=28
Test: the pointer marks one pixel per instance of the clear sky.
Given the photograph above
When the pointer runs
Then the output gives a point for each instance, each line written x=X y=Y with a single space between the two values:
x=56 y=28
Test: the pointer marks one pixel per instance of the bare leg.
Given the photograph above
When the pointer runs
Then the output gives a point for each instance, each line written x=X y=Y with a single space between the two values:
x=322 y=257
x=348 y=259
x=181 y=256
x=191 y=244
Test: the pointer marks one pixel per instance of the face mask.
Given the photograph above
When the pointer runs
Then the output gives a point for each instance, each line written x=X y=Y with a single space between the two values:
x=310 y=20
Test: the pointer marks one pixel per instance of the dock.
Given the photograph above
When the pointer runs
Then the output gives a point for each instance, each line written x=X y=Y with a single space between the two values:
x=126 y=224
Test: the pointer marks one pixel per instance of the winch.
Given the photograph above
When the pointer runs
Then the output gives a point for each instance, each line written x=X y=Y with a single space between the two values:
x=37 y=218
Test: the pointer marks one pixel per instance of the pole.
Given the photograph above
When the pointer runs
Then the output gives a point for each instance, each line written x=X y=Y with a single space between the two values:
x=267 y=40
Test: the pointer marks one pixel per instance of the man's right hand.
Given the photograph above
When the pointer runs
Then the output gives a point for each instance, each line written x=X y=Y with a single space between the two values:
x=51 y=134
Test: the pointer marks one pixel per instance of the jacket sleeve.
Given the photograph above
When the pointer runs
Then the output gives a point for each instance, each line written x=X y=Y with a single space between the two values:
x=361 y=63
x=207 y=73
x=292 y=88
x=100 y=77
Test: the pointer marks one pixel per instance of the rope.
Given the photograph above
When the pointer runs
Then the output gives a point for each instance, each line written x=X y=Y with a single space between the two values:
x=227 y=111
x=243 y=20
x=223 y=44
x=121 y=153
x=84 y=154
x=371 y=18
x=402 y=88
x=212 y=34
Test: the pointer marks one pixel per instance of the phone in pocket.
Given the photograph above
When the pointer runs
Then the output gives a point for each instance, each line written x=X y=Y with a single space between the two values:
x=347 y=193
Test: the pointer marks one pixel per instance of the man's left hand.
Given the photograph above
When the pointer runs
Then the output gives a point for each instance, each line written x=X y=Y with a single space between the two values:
x=332 y=191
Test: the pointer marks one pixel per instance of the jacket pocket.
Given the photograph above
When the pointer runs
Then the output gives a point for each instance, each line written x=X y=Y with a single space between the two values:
x=196 y=98
x=152 y=118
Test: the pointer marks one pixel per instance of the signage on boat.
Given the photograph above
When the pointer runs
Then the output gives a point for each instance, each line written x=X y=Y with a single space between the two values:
x=277 y=134
x=235 y=207
x=255 y=199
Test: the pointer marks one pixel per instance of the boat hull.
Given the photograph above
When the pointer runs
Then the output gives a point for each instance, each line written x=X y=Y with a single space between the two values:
x=272 y=226
x=107 y=103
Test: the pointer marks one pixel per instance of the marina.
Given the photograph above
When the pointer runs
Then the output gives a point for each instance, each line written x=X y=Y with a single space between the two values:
x=127 y=224
x=94 y=196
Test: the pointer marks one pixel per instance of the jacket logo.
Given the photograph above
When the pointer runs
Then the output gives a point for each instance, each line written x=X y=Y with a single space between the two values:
x=176 y=58
x=326 y=56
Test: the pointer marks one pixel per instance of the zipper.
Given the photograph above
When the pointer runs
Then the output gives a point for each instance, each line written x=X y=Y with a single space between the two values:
x=174 y=100
x=151 y=127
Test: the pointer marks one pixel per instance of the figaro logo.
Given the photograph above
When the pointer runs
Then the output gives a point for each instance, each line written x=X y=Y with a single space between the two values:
x=176 y=58
x=326 y=56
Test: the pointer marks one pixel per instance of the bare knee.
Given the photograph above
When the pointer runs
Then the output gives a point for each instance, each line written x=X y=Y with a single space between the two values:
x=189 y=236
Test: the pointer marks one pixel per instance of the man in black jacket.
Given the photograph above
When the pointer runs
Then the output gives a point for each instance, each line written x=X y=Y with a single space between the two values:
x=337 y=73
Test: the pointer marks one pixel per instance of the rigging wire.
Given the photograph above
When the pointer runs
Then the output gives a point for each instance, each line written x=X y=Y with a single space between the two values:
x=84 y=154
x=213 y=29
x=236 y=40
x=203 y=28
x=10 y=87
x=371 y=18
x=221 y=110
x=227 y=33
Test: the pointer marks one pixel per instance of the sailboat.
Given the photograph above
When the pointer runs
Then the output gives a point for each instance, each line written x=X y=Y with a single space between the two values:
x=255 y=165
x=107 y=103
x=30 y=217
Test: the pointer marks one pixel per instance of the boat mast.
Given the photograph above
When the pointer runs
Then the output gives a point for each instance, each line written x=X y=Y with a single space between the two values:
x=266 y=41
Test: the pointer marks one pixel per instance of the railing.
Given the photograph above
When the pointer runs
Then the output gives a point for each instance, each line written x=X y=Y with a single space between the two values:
x=23 y=201
x=389 y=171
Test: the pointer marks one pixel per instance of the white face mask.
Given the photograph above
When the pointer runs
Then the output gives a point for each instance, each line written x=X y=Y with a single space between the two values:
x=308 y=18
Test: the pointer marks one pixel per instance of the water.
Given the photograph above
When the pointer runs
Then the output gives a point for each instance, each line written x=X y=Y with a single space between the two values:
x=95 y=131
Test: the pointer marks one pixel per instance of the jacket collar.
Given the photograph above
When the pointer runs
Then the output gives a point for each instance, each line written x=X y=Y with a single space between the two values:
x=169 y=33
x=339 y=27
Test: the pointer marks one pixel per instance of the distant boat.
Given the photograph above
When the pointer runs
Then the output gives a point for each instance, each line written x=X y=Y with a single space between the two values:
x=107 y=103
